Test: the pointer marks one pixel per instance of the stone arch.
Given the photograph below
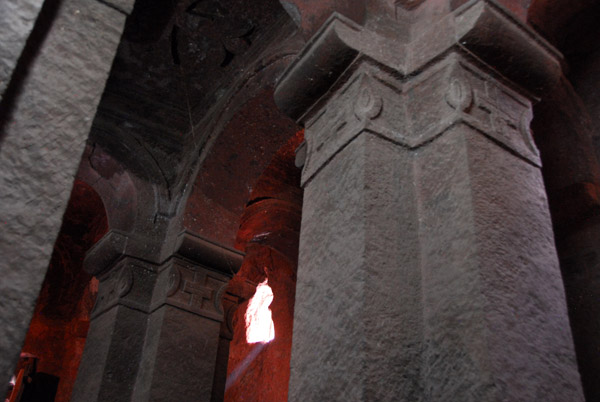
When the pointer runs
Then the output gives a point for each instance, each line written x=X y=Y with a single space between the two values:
x=114 y=186
x=162 y=159
x=136 y=198
x=243 y=133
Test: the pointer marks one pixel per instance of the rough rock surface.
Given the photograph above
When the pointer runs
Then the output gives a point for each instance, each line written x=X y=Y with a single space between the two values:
x=17 y=18
x=41 y=144
x=359 y=273
x=485 y=245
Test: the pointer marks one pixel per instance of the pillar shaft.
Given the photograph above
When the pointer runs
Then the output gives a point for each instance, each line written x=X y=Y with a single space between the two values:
x=427 y=267
x=357 y=319
x=111 y=357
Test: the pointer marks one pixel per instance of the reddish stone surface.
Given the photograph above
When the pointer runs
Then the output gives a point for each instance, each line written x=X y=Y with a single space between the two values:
x=59 y=326
x=238 y=157
x=570 y=168
x=552 y=17
x=571 y=176
x=313 y=13
x=517 y=7
x=269 y=234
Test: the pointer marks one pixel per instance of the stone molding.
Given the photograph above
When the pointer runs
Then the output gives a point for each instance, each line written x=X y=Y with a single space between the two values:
x=412 y=113
x=519 y=53
x=196 y=289
x=194 y=278
x=117 y=244
x=123 y=6
x=130 y=283
x=177 y=282
x=208 y=253
x=230 y=306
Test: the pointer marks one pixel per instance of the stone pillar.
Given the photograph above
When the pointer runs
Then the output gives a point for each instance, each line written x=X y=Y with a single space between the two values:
x=51 y=80
x=154 y=331
x=427 y=266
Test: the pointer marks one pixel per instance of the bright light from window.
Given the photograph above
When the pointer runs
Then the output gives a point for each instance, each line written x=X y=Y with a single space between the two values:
x=259 y=322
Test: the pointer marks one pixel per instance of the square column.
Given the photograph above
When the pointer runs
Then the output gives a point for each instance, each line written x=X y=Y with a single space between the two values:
x=183 y=334
x=427 y=266
x=114 y=343
x=155 y=331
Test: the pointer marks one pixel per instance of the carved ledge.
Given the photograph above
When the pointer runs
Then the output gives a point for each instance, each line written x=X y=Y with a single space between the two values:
x=209 y=254
x=300 y=153
x=490 y=32
x=478 y=66
x=230 y=306
x=194 y=278
x=408 y=4
x=321 y=61
x=179 y=283
x=115 y=245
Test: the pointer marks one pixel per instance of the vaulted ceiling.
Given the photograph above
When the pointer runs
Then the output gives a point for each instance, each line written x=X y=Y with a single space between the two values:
x=176 y=60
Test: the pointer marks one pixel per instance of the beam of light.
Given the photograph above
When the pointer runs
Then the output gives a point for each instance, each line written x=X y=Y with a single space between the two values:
x=259 y=322
x=239 y=370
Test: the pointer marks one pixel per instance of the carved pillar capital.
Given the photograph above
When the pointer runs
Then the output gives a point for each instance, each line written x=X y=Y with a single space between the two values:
x=129 y=282
x=106 y=252
x=116 y=245
x=193 y=278
x=350 y=80
x=480 y=29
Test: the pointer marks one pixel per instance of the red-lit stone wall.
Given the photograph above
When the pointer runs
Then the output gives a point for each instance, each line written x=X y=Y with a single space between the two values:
x=239 y=155
x=59 y=326
x=269 y=233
